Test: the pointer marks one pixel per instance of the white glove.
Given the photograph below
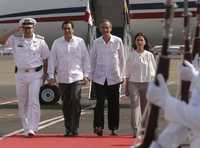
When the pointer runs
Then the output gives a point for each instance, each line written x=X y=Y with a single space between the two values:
x=158 y=94
x=154 y=144
x=187 y=71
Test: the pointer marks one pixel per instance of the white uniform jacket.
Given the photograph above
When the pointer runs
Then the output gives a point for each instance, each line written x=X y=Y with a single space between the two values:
x=28 y=53
x=69 y=59
x=107 y=61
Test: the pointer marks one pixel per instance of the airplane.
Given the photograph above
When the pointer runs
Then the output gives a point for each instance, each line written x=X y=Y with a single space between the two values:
x=145 y=16
x=148 y=15
x=49 y=16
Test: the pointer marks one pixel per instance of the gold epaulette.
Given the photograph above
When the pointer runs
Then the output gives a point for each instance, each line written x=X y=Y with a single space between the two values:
x=39 y=36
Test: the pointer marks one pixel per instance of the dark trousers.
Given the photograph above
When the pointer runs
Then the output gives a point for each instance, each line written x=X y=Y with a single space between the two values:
x=111 y=93
x=71 y=95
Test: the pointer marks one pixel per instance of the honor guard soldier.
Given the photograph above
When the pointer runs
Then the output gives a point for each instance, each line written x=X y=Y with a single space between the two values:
x=184 y=118
x=30 y=55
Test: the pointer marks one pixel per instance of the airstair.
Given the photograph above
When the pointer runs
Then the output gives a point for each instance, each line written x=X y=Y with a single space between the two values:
x=117 y=12
x=109 y=9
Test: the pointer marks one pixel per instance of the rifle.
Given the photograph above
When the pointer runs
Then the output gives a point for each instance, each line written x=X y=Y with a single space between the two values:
x=163 y=68
x=185 y=85
x=196 y=46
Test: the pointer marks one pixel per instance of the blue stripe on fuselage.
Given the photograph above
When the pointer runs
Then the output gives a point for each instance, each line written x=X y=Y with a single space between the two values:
x=46 y=12
x=146 y=6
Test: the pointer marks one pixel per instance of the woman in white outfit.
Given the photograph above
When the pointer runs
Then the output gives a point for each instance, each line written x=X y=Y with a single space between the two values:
x=140 y=70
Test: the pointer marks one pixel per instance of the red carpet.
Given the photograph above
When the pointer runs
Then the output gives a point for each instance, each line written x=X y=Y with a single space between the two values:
x=58 y=141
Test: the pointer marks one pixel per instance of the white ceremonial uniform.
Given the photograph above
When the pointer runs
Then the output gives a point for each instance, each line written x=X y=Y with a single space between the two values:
x=107 y=61
x=28 y=54
x=172 y=136
x=186 y=115
x=69 y=59
x=181 y=115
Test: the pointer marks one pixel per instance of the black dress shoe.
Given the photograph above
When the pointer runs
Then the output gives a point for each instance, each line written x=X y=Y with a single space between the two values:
x=113 y=133
x=75 y=133
x=71 y=134
x=67 y=132
x=98 y=131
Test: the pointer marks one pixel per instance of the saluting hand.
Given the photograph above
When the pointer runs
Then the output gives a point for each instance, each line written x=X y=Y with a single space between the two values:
x=19 y=29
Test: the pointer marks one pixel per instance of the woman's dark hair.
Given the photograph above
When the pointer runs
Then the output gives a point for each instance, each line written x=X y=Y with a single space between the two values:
x=68 y=22
x=146 y=46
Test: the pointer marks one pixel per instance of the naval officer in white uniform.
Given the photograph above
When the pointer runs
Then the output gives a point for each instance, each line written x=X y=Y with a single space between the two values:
x=30 y=55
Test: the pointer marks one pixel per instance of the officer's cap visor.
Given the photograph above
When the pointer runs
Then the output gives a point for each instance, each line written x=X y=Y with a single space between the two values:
x=27 y=25
x=27 y=21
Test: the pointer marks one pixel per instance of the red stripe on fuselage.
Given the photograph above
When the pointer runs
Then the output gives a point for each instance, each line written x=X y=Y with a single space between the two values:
x=154 y=15
x=50 y=19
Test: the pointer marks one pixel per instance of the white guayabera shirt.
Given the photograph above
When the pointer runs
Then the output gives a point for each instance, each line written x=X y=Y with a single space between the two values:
x=69 y=59
x=107 y=61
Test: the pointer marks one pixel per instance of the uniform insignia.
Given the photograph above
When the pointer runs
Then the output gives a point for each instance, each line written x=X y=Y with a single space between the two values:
x=39 y=36
x=18 y=34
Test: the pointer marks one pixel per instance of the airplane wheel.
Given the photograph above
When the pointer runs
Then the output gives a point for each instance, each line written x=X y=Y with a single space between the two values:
x=49 y=94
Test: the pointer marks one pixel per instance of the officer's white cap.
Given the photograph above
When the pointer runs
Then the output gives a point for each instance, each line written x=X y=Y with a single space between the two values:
x=27 y=22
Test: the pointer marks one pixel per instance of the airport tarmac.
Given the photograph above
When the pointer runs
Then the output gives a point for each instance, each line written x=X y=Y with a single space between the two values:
x=51 y=117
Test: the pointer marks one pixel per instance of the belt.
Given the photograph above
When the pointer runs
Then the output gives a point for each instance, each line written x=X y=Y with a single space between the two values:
x=24 y=70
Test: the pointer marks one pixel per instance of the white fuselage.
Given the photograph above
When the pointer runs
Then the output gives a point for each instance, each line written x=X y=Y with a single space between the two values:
x=148 y=16
x=49 y=14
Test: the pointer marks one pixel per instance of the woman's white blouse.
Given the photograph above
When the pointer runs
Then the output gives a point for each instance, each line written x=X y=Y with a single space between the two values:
x=140 y=67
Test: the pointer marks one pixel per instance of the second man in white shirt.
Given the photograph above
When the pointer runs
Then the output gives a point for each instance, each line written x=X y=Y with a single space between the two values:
x=69 y=58
x=107 y=67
